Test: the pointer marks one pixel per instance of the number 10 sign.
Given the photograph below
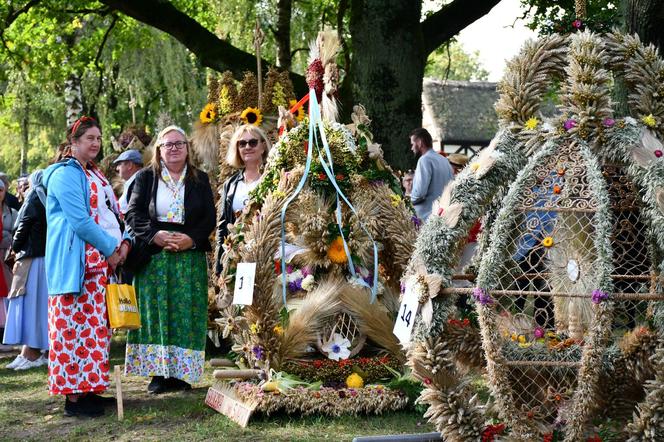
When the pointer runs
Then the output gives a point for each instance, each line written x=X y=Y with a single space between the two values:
x=244 y=283
x=403 y=327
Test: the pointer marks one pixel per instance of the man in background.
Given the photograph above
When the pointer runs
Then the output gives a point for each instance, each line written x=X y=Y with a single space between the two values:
x=126 y=165
x=432 y=174
x=10 y=199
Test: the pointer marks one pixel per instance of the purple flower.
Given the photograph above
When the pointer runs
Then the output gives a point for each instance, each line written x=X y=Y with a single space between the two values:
x=289 y=269
x=258 y=352
x=599 y=296
x=482 y=296
x=608 y=122
x=416 y=221
x=295 y=286
x=538 y=332
x=569 y=124
x=577 y=24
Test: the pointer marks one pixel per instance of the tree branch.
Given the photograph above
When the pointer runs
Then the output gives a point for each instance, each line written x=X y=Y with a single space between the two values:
x=15 y=14
x=210 y=50
x=343 y=6
x=451 y=19
x=100 y=11
x=100 y=50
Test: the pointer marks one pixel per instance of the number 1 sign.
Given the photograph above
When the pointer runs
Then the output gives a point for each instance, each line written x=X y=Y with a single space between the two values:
x=244 y=283
x=403 y=327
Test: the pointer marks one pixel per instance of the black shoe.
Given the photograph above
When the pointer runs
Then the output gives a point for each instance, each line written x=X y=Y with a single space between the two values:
x=103 y=401
x=83 y=408
x=175 y=384
x=157 y=385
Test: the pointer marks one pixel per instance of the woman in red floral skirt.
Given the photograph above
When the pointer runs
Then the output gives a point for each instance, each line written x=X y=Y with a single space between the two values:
x=83 y=243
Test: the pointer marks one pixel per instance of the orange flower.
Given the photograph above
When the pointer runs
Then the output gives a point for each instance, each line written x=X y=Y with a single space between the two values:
x=556 y=189
x=336 y=251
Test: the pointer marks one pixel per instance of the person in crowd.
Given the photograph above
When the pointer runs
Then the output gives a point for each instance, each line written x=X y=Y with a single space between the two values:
x=432 y=173
x=10 y=199
x=172 y=214
x=126 y=165
x=27 y=312
x=247 y=152
x=407 y=182
x=22 y=186
x=8 y=217
x=84 y=244
x=458 y=161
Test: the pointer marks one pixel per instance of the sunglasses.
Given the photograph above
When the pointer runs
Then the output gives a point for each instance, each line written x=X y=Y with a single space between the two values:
x=242 y=144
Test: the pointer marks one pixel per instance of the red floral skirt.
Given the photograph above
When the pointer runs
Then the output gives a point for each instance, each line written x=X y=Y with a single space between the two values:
x=79 y=340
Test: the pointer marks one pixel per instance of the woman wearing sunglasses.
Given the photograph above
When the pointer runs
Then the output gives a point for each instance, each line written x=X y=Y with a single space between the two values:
x=247 y=151
x=171 y=213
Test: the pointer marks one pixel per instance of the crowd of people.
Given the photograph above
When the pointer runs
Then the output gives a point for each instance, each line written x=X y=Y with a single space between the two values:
x=67 y=235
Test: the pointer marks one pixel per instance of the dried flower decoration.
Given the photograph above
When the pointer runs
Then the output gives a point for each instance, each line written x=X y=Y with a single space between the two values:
x=482 y=296
x=208 y=114
x=649 y=120
x=252 y=115
x=532 y=123
x=599 y=296
x=336 y=252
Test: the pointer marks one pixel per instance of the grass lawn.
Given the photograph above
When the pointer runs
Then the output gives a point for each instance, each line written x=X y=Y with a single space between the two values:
x=27 y=412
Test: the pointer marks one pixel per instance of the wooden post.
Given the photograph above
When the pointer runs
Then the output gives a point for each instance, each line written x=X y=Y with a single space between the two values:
x=118 y=391
x=236 y=374
x=258 y=41
x=217 y=362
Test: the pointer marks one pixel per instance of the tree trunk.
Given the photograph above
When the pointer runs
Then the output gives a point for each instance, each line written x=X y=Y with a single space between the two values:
x=25 y=135
x=73 y=99
x=282 y=34
x=386 y=72
x=646 y=18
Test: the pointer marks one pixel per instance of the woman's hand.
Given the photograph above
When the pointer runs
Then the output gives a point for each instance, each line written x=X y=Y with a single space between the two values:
x=114 y=259
x=124 y=251
x=161 y=238
x=179 y=242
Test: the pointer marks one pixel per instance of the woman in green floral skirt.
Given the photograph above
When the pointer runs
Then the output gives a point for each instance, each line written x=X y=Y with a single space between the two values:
x=171 y=213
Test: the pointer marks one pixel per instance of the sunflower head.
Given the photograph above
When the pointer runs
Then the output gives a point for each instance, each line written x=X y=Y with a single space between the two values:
x=336 y=252
x=209 y=113
x=299 y=113
x=252 y=115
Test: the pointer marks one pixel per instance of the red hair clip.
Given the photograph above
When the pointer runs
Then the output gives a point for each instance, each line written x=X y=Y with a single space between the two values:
x=78 y=122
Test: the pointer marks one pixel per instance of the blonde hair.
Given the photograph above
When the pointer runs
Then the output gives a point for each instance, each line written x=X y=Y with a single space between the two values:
x=233 y=157
x=155 y=163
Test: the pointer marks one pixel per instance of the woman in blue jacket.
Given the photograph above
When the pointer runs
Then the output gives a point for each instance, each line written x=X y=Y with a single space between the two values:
x=83 y=244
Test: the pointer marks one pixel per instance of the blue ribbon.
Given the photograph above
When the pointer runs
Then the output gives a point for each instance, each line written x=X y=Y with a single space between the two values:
x=316 y=120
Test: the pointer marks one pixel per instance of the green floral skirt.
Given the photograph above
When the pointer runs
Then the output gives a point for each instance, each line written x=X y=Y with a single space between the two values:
x=172 y=299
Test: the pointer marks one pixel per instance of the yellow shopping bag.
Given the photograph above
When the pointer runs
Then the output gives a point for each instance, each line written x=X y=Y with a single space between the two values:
x=122 y=307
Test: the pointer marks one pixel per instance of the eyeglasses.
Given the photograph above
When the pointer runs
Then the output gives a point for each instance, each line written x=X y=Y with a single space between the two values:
x=242 y=144
x=174 y=146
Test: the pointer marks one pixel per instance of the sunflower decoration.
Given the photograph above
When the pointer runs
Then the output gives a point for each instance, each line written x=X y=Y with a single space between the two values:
x=336 y=251
x=299 y=113
x=252 y=115
x=209 y=113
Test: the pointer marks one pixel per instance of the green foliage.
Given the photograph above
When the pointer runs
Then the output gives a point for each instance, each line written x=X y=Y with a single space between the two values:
x=115 y=58
x=451 y=62
x=549 y=17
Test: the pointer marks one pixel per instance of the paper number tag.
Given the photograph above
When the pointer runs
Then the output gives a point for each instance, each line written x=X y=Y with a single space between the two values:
x=244 y=283
x=403 y=327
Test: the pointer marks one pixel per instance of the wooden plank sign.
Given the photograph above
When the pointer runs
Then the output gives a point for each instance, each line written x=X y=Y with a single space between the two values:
x=226 y=403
